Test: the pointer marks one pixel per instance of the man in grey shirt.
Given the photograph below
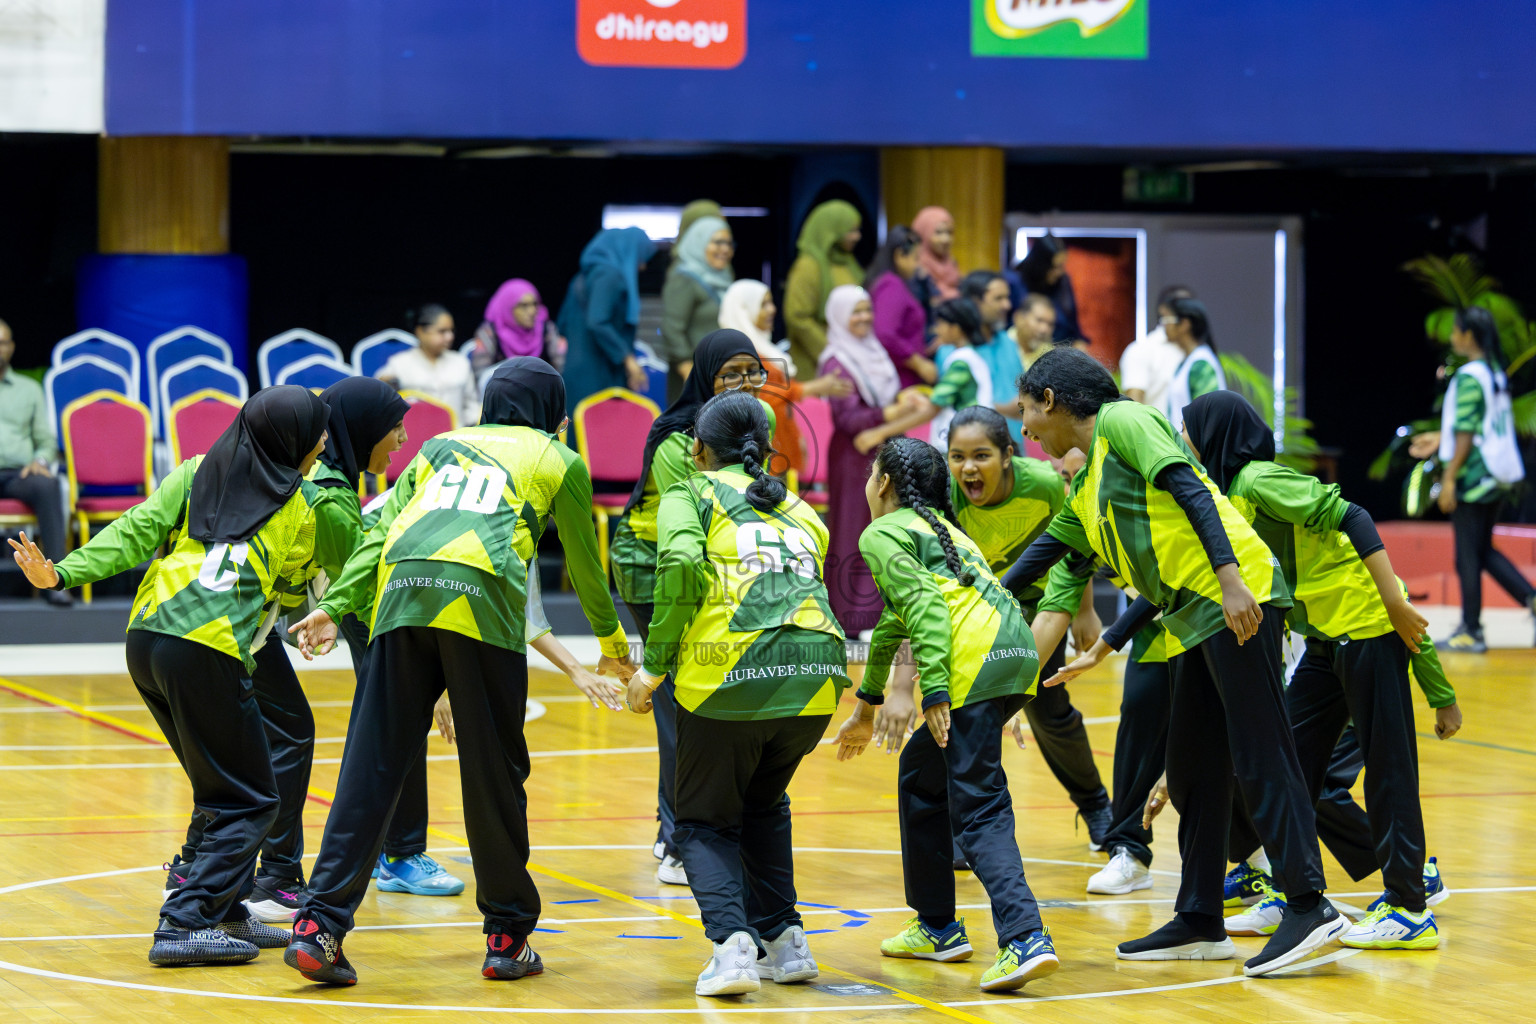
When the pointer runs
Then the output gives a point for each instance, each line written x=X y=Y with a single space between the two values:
x=27 y=447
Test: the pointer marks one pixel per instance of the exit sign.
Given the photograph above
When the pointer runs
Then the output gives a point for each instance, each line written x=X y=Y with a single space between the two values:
x=1154 y=185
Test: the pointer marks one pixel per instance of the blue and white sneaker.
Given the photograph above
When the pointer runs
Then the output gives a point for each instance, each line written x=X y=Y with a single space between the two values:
x=1244 y=886
x=1260 y=919
x=1435 y=890
x=1389 y=927
x=1021 y=961
x=419 y=875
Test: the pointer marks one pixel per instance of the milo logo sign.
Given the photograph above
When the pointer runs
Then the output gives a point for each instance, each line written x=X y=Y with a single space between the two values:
x=1059 y=28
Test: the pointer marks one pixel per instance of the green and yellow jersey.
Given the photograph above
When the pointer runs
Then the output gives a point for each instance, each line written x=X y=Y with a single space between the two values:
x=1117 y=513
x=1430 y=674
x=1298 y=519
x=452 y=544
x=633 y=554
x=338 y=532
x=742 y=617
x=1004 y=530
x=971 y=643
x=213 y=594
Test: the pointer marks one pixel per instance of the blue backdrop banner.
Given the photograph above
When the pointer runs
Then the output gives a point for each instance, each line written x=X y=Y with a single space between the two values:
x=1353 y=75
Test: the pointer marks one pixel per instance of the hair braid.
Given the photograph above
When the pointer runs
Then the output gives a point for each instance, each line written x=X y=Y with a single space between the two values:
x=911 y=494
x=766 y=491
x=734 y=428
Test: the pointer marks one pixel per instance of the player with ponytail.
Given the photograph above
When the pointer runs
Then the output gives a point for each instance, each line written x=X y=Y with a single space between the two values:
x=745 y=630
x=977 y=666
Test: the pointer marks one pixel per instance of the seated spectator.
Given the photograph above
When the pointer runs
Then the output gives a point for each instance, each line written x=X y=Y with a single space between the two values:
x=433 y=368
x=27 y=448
x=600 y=314
x=901 y=321
x=1043 y=271
x=1147 y=366
x=516 y=324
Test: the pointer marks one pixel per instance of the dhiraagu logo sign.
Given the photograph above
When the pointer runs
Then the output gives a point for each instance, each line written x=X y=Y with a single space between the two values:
x=1059 y=28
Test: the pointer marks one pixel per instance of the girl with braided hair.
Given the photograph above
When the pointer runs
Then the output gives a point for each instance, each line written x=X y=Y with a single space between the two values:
x=745 y=630
x=977 y=665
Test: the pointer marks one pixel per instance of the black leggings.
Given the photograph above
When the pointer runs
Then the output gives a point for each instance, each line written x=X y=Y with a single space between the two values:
x=1059 y=733
x=290 y=730
x=664 y=712
x=408 y=668
x=1141 y=753
x=203 y=702
x=1366 y=680
x=1473 y=523
x=1228 y=717
x=958 y=795
x=406 y=835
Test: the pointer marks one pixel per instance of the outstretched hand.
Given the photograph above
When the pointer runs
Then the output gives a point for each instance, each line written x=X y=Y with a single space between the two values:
x=1082 y=663
x=856 y=732
x=37 y=568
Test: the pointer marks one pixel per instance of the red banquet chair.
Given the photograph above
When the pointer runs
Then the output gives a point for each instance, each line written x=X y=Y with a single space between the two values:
x=424 y=420
x=107 y=443
x=195 y=422
x=611 y=427
x=816 y=427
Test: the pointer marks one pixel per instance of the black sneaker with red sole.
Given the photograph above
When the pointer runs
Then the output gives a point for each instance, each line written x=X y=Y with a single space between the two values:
x=509 y=957
x=316 y=954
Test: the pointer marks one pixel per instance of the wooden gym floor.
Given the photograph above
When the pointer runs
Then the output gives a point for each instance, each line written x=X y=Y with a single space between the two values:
x=90 y=808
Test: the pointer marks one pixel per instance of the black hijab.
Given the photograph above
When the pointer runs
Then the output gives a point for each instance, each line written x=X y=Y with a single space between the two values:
x=253 y=468
x=363 y=411
x=1228 y=433
x=715 y=350
x=525 y=391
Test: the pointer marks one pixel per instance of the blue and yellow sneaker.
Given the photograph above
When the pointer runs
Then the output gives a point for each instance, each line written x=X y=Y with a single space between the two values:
x=1263 y=917
x=1435 y=890
x=1244 y=886
x=1022 y=960
x=419 y=875
x=919 y=942
x=1389 y=927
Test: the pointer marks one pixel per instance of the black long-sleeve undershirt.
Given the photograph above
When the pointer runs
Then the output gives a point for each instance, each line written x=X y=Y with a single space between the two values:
x=1358 y=526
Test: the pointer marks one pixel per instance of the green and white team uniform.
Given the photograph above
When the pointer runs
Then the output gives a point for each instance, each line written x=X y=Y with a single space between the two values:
x=633 y=554
x=965 y=381
x=743 y=621
x=1473 y=405
x=1200 y=373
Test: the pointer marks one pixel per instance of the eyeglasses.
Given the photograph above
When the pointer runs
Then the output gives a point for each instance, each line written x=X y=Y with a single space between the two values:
x=1168 y=321
x=724 y=243
x=733 y=381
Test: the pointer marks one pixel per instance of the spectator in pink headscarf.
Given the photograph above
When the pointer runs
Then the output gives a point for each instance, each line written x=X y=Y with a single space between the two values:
x=936 y=228
x=517 y=324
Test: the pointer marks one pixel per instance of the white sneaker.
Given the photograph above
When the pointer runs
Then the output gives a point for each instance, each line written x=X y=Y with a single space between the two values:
x=671 y=872
x=1123 y=874
x=731 y=970
x=659 y=851
x=1260 y=919
x=788 y=959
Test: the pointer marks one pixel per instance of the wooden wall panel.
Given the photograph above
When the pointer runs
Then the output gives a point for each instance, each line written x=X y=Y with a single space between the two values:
x=164 y=194
x=967 y=181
